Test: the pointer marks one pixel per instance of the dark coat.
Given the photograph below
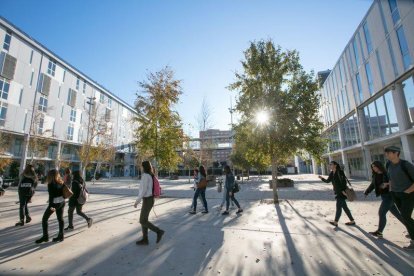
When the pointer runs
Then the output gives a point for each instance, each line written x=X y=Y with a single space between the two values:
x=338 y=181
x=376 y=183
x=76 y=189
x=55 y=190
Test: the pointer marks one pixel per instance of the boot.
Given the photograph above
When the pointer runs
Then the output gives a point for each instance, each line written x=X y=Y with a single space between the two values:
x=20 y=223
x=59 y=238
x=143 y=241
x=43 y=239
x=159 y=235
x=28 y=219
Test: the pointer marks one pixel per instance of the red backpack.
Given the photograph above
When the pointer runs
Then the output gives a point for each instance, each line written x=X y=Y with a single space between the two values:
x=156 y=187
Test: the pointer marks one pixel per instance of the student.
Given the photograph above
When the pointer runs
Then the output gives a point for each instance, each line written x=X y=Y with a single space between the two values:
x=200 y=192
x=67 y=178
x=147 y=197
x=379 y=178
x=77 y=185
x=26 y=189
x=338 y=179
x=229 y=185
x=401 y=173
x=56 y=204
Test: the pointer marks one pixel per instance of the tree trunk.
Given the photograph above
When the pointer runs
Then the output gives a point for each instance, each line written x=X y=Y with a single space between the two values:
x=98 y=167
x=274 y=180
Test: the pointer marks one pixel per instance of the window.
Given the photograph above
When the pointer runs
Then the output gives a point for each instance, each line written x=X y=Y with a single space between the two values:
x=51 y=68
x=64 y=75
x=84 y=87
x=25 y=120
x=4 y=89
x=391 y=114
x=31 y=57
x=71 y=98
x=69 y=134
x=3 y=113
x=369 y=79
x=356 y=55
x=367 y=37
x=60 y=88
x=101 y=98
x=40 y=125
x=380 y=68
x=77 y=83
x=21 y=96
x=107 y=114
x=73 y=115
x=360 y=92
x=31 y=78
x=7 y=40
x=404 y=48
x=394 y=11
x=61 y=112
x=109 y=102
x=408 y=86
x=43 y=103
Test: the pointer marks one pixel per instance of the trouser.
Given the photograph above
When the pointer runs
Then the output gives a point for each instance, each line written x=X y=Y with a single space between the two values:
x=405 y=204
x=78 y=211
x=228 y=197
x=202 y=193
x=60 y=207
x=147 y=204
x=341 y=204
x=225 y=193
x=24 y=210
x=387 y=204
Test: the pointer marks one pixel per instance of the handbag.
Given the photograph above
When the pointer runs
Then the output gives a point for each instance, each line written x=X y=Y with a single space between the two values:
x=219 y=187
x=349 y=191
x=202 y=184
x=67 y=193
x=236 y=187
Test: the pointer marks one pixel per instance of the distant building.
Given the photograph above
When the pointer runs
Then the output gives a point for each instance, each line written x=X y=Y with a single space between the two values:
x=220 y=143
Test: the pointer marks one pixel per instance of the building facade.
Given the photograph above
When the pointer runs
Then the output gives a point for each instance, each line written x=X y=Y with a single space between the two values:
x=368 y=97
x=218 y=142
x=42 y=96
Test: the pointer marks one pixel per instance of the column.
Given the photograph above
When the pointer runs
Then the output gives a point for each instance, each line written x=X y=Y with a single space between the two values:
x=57 y=160
x=24 y=153
x=366 y=155
x=314 y=166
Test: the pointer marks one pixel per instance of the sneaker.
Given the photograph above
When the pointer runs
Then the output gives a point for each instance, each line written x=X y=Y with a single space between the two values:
x=239 y=211
x=192 y=212
x=69 y=228
x=90 y=222
x=142 y=242
x=225 y=213
x=20 y=223
x=377 y=234
x=28 y=219
x=334 y=223
x=159 y=235
x=205 y=212
x=350 y=223
x=42 y=239
x=59 y=238
x=410 y=246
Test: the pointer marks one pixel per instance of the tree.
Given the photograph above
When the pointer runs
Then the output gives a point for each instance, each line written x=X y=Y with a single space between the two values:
x=190 y=157
x=158 y=136
x=5 y=158
x=206 y=144
x=274 y=83
x=103 y=152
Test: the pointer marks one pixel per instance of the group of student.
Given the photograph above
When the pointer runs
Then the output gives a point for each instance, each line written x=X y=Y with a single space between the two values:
x=56 y=203
x=394 y=182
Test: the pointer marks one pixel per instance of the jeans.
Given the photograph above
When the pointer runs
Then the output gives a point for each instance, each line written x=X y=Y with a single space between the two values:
x=387 y=204
x=78 y=211
x=405 y=204
x=24 y=210
x=341 y=204
x=147 y=204
x=228 y=197
x=202 y=193
x=60 y=207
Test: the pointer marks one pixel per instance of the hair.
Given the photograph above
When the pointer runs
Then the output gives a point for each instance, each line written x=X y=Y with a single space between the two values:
x=202 y=171
x=227 y=169
x=146 y=165
x=379 y=165
x=77 y=176
x=54 y=176
x=337 y=166
x=29 y=171
x=68 y=171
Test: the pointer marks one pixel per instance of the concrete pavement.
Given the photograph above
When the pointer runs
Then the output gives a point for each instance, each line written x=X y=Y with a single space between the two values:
x=292 y=238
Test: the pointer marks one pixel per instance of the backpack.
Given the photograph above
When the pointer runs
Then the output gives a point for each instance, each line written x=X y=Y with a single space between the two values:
x=83 y=195
x=156 y=187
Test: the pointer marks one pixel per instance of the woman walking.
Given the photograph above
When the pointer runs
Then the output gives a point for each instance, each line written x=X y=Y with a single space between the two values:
x=147 y=197
x=77 y=186
x=200 y=191
x=379 y=178
x=27 y=186
x=229 y=185
x=56 y=204
x=67 y=178
x=338 y=179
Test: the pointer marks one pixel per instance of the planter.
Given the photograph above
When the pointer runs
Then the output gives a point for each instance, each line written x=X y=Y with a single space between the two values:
x=282 y=183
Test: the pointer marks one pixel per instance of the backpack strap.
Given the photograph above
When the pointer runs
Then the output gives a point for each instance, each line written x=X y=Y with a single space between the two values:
x=405 y=169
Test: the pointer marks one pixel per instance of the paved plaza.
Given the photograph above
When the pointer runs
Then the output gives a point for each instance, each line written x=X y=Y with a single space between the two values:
x=292 y=238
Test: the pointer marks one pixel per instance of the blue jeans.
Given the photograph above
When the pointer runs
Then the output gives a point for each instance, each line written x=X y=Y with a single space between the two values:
x=228 y=197
x=405 y=204
x=202 y=193
x=387 y=204
x=341 y=204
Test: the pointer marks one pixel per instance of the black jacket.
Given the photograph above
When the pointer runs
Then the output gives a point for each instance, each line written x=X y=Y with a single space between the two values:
x=27 y=186
x=55 y=190
x=376 y=183
x=76 y=189
x=338 y=181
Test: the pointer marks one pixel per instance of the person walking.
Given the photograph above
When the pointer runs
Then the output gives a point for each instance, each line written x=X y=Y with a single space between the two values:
x=56 y=204
x=200 y=192
x=229 y=185
x=379 y=178
x=401 y=173
x=338 y=179
x=146 y=194
x=26 y=189
x=77 y=185
x=67 y=178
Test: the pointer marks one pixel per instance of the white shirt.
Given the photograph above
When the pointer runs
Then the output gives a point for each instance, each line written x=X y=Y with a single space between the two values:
x=145 y=189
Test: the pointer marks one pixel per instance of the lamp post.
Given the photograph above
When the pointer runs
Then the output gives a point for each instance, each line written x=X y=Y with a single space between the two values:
x=90 y=102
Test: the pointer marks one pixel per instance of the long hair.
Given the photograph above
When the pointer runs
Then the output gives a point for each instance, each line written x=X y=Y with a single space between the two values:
x=202 y=171
x=379 y=165
x=227 y=169
x=29 y=171
x=146 y=165
x=68 y=171
x=337 y=166
x=77 y=177
x=54 y=176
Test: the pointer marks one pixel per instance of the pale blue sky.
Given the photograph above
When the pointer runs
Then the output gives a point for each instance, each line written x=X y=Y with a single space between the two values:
x=116 y=42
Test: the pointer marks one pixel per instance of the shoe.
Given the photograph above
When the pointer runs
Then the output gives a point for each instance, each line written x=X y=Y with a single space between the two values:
x=410 y=246
x=334 y=223
x=377 y=234
x=42 y=239
x=90 y=222
x=159 y=235
x=142 y=242
x=239 y=211
x=225 y=213
x=204 y=211
x=59 y=238
x=350 y=223
x=69 y=228
x=28 y=219
x=192 y=212
x=20 y=223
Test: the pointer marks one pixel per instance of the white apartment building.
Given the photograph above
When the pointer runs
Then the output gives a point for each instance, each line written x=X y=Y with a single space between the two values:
x=43 y=95
x=368 y=97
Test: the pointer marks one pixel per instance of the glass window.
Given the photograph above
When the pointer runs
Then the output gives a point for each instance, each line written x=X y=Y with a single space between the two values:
x=31 y=57
x=21 y=96
x=42 y=103
x=4 y=89
x=394 y=11
x=77 y=83
x=73 y=115
x=40 y=126
x=69 y=134
x=369 y=78
x=360 y=92
x=334 y=143
x=101 y=98
x=356 y=54
x=384 y=24
x=380 y=67
x=31 y=79
x=84 y=87
x=405 y=52
x=341 y=72
x=109 y=102
x=383 y=123
x=408 y=86
x=7 y=40
x=51 y=68
x=367 y=37
x=392 y=115
x=3 y=113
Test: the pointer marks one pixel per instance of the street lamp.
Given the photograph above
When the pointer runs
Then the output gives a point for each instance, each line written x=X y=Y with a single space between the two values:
x=90 y=102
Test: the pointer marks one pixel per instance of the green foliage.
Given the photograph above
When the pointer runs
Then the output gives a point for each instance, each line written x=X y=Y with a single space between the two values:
x=158 y=135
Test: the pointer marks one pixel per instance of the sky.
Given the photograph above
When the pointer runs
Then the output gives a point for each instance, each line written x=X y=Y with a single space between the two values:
x=117 y=43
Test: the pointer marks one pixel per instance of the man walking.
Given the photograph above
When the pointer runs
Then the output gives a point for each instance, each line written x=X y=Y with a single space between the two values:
x=401 y=174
